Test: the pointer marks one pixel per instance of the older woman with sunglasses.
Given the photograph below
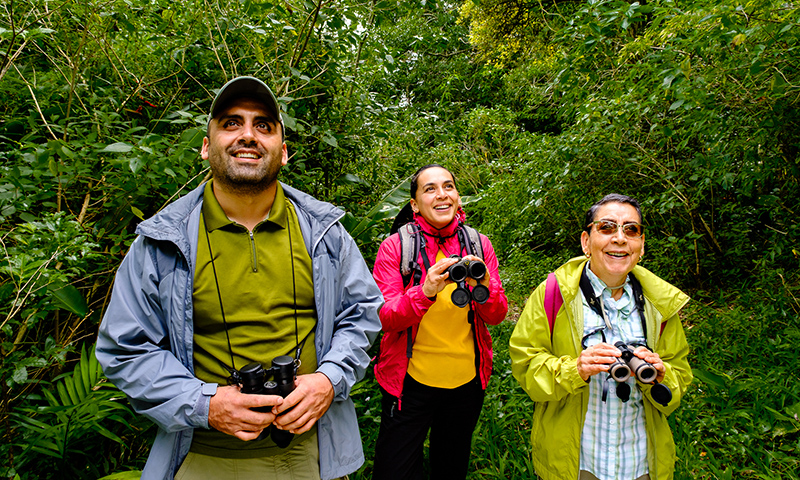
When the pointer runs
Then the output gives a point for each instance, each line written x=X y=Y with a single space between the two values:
x=600 y=348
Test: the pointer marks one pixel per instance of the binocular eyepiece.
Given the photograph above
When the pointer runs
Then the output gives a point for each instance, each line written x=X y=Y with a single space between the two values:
x=629 y=364
x=254 y=381
x=459 y=272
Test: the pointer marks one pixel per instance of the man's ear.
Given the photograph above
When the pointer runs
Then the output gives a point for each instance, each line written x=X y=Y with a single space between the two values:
x=204 y=149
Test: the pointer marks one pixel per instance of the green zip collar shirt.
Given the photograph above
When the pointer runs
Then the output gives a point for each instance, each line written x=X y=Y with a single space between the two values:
x=246 y=301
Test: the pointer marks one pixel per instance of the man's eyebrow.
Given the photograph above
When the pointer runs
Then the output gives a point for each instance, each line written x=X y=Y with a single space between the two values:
x=235 y=116
x=230 y=116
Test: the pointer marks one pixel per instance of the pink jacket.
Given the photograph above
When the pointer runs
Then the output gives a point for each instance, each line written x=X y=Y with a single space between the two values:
x=405 y=307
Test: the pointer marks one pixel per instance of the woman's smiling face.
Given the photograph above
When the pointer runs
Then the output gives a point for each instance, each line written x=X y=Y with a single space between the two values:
x=436 y=199
x=613 y=256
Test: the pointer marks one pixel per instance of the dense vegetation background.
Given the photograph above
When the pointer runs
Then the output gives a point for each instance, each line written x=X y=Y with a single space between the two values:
x=539 y=107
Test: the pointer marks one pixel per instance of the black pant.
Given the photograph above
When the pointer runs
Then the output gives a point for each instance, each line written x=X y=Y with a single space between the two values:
x=449 y=414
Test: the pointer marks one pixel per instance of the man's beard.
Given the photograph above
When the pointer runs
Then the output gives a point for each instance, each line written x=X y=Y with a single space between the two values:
x=245 y=179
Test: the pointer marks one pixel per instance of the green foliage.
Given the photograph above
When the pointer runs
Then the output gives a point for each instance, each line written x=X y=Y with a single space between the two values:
x=59 y=434
x=746 y=388
x=40 y=261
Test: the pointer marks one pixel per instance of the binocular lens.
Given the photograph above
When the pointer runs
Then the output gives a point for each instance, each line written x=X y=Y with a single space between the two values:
x=477 y=270
x=252 y=376
x=458 y=272
x=619 y=371
x=646 y=373
x=284 y=366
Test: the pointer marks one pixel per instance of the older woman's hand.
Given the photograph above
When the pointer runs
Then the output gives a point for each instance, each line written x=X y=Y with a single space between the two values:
x=596 y=359
x=653 y=358
x=437 y=277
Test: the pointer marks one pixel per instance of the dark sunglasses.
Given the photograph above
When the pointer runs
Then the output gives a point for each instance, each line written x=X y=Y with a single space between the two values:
x=607 y=227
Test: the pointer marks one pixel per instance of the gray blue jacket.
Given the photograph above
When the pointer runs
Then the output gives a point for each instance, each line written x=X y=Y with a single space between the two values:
x=146 y=336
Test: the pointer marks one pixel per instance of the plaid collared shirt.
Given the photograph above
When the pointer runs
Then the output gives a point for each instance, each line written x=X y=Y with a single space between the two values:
x=614 y=439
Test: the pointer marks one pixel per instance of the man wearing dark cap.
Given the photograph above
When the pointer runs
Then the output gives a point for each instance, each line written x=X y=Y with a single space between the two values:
x=242 y=271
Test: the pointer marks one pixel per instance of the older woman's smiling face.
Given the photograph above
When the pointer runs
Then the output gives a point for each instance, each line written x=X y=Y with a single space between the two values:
x=613 y=256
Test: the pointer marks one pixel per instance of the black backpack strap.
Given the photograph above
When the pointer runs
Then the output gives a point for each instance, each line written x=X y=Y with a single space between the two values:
x=470 y=240
x=411 y=243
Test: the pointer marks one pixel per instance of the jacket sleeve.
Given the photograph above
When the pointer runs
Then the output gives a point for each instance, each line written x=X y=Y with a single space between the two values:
x=542 y=374
x=494 y=310
x=673 y=349
x=356 y=324
x=134 y=342
x=403 y=308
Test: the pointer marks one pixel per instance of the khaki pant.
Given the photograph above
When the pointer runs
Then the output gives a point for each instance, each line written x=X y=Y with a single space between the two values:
x=301 y=462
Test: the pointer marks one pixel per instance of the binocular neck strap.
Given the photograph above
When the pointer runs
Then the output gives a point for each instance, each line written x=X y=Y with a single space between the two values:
x=299 y=345
x=232 y=370
x=595 y=303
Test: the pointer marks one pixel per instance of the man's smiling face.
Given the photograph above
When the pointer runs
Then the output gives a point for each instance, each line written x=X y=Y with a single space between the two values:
x=244 y=147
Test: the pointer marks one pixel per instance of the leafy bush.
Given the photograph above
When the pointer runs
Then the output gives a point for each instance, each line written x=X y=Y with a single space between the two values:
x=59 y=433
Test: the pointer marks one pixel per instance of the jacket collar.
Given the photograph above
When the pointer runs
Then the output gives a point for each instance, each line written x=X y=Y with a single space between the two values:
x=447 y=231
x=172 y=223
x=666 y=298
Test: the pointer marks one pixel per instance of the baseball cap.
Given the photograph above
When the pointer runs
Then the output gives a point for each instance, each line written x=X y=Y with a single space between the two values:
x=246 y=87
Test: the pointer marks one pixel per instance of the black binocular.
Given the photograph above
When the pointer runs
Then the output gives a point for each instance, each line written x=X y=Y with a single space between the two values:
x=629 y=364
x=253 y=379
x=459 y=272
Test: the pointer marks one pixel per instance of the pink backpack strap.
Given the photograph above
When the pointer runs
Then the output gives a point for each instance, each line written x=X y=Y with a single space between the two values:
x=552 y=300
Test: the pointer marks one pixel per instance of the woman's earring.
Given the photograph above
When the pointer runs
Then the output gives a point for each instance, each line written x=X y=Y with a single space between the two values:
x=588 y=254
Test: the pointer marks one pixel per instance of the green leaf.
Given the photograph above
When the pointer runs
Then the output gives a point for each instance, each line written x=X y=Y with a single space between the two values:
x=136 y=163
x=711 y=379
x=288 y=121
x=74 y=399
x=330 y=140
x=676 y=104
x=20 y=374
x=139 y=214
x=70 y=299
x=794 y=411
x=119 y=147
x=350 y=179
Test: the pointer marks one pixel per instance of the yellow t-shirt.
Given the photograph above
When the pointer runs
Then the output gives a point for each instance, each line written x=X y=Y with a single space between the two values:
x=443 y=355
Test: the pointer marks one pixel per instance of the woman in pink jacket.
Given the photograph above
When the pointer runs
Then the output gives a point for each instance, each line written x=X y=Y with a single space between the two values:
x=436 y=355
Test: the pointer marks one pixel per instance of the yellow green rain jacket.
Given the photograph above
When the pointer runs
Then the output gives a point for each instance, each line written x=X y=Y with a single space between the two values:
x=548 y=372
